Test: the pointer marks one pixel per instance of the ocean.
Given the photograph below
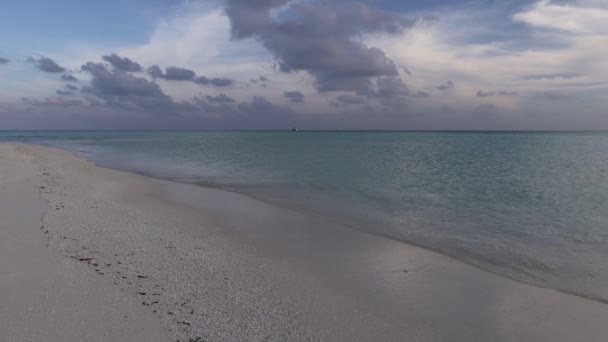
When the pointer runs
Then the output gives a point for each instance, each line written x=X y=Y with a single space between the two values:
x=531 y=206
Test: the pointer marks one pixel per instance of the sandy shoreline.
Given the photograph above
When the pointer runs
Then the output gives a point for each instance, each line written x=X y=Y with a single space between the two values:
x=204 y=264
x=44 y=295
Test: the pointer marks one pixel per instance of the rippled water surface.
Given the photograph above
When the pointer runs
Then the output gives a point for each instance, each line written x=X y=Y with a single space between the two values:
x=530 y=206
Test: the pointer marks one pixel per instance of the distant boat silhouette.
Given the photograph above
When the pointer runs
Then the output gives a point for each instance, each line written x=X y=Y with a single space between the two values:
x=295 y=129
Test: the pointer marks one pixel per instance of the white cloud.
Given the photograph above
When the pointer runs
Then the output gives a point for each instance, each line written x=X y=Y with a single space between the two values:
x=444 y=50
x=199 y=39
x=583 y=17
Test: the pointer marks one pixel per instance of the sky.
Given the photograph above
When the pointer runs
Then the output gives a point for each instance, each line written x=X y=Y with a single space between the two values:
x=312 y=64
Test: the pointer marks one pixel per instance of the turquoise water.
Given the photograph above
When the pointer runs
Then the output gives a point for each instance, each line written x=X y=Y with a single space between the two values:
x=530 y=206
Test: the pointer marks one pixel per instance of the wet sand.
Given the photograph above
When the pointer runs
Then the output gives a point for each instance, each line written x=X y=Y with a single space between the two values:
x=205 y=264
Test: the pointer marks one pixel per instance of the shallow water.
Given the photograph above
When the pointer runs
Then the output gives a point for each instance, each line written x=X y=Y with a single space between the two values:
x=530 y=206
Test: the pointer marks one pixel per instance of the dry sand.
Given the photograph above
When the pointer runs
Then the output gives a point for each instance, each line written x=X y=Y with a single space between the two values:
x=210 y=265
x=45 y=296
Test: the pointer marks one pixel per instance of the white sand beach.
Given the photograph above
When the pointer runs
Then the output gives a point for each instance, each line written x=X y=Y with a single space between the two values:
x=46 y=296
x=93 y=254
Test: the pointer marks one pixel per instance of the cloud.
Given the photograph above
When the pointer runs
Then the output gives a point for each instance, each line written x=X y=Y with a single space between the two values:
x=446 y=86
x=259 y=113
x=68 y=78
x=57 y=102
x=217 y=82
x=294 y=96
x=421 y=94
x=563 y=75
x=179 y=74
x=482 y=50
x=119 y=88
x=183 y=74
x=46 y=64
x=263 y=81
x=64 y=92
x=260 y=107
x=156 y=72
x=485 y=49
x=350 y=99
x=221 y=98
x=569 y=18
x=390 y=87
x=4 y=60
x=67 y=90
x=554 y=95
x=481 y=93
x=122 y=63
x=172 y=73
x=319 y=38
x=265 y=112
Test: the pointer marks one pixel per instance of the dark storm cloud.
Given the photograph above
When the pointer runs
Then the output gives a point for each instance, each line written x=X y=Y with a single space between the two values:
x=495 y=93
x=319 y=38
x=4 y=60
x=389 y=87
x=217 y=82
x=294 y=96
x=120 y=90
x=183 y=74
x=179 y=74
x=155 y=71
x=172 y=73
x=221 y=98
x=536 y=77
x=113 y=90
x=122 y=63
x=446 y=86
x=117 y=87
x=46 y=64
x=68 y=78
